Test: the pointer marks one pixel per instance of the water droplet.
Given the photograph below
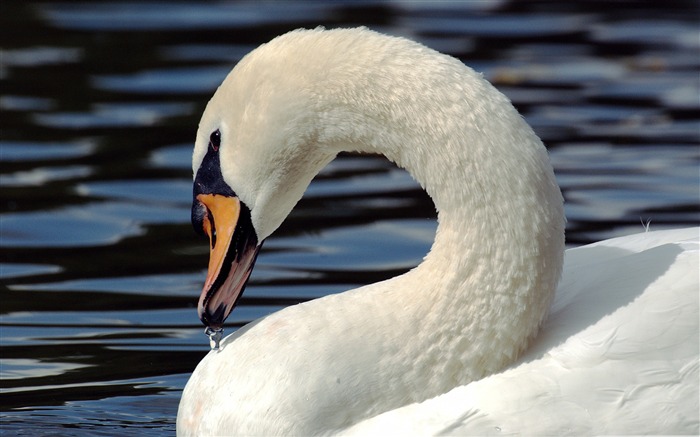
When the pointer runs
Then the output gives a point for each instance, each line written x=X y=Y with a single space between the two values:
x=215 y=335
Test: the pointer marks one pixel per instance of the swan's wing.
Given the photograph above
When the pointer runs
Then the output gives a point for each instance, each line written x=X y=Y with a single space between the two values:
x=618 y=354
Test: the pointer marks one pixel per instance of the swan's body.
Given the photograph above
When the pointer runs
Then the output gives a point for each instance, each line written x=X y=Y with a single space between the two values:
x=618 y=354
x=466 y=312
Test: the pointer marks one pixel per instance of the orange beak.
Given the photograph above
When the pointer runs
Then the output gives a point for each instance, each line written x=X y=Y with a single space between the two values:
x=233 y=249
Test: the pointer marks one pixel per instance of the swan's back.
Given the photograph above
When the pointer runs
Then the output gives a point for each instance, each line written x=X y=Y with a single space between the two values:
x=618 y=354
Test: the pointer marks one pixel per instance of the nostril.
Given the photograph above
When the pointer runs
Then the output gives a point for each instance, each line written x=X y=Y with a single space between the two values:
x=212 y=230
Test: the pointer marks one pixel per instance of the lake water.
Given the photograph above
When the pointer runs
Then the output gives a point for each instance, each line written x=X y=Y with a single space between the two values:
x=100 y=268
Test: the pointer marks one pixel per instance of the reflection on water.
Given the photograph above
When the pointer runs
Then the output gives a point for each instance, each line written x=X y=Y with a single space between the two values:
x=100 y=268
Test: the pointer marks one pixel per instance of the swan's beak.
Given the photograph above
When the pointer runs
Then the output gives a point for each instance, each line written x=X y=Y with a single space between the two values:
x=233 y=248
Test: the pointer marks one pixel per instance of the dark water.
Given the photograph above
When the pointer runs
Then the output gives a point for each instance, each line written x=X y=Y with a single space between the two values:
x=100 y=101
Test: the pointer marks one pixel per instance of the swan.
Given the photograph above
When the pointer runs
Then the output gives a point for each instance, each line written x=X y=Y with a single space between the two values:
x=477 y=339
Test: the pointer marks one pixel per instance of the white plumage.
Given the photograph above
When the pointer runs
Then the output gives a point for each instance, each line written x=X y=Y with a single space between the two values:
x=434 y=350
x=618 y=354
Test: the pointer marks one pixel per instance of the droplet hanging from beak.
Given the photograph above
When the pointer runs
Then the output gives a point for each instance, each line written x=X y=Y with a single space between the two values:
x=215 y=335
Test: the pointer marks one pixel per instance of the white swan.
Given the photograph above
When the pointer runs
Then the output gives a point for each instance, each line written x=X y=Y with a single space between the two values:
x=618 y=353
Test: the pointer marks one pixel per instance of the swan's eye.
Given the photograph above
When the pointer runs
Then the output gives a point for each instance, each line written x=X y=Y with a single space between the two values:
x=215 y=140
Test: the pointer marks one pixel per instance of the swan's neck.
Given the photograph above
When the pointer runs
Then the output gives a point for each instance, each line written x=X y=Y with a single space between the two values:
x=485 y=287
x=463 y=313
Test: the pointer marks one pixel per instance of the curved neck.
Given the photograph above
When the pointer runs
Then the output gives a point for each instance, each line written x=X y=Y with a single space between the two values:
x=485 y=287
x=478 y=296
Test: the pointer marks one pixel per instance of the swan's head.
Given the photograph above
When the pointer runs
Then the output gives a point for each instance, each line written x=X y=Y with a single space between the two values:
x=291 y=105
x=255 y=154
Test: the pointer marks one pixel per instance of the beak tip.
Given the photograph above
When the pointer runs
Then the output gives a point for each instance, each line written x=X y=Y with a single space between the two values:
x=213 y=319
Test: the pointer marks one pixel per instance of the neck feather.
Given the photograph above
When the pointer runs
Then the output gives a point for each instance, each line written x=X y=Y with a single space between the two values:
x=485 y=287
